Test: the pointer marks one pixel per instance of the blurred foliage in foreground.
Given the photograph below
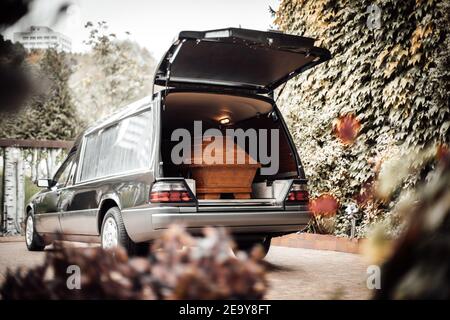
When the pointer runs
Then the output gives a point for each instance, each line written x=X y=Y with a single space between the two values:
x=15 y=85
x=394 y=79
x=417 y=265
x=179 y=267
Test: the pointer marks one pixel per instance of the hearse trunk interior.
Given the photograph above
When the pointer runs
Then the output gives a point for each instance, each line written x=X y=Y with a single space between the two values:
x=213 y=176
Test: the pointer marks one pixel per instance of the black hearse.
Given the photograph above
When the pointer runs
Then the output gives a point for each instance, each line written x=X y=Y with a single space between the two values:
x=119 y=184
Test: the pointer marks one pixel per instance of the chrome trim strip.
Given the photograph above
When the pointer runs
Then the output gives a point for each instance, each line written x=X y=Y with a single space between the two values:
x=242 y=202
x=232 y=209
x=48 y=214
x=77 y=211
x=113 y=176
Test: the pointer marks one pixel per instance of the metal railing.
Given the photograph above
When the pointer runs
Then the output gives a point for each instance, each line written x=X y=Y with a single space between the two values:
x=22 y=163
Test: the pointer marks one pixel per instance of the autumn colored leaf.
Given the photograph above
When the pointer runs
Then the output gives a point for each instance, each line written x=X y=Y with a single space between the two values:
x=443 y=154
x=381 y=58
x=347 y=129
x=366 y=194
x=324 y=205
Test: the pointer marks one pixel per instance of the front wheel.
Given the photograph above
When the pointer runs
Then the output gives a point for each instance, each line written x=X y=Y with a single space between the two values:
x=248 y=245
x=113 y=234
x=33 y=241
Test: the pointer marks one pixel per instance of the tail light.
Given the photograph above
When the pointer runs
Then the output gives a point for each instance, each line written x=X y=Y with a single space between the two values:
x=297 y=194
x=171 y=192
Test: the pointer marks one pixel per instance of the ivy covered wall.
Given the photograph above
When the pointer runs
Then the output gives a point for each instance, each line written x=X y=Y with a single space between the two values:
x=390 y=68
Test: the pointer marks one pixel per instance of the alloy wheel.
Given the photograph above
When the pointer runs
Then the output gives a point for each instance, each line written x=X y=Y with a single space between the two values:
x=110 y=234
x=29 y=230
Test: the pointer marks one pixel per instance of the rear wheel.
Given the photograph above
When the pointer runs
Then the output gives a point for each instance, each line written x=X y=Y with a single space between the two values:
x=248 y=245
x=33 y=241
x=113 y=234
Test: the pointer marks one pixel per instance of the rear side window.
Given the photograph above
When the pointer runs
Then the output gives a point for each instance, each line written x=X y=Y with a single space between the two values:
x=121 y=148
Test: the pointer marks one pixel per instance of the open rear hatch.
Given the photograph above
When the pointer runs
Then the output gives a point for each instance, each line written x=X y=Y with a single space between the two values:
x=242 y=59
x=215 y=76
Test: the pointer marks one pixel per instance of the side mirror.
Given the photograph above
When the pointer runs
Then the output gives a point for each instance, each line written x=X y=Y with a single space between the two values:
x=44 y=183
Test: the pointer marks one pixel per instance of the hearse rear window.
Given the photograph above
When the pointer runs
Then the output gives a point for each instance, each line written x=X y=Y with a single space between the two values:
x=120 y=148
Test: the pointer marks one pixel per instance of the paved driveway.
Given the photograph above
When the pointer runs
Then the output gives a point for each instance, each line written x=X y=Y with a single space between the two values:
x=316 y=274
x=293 y=273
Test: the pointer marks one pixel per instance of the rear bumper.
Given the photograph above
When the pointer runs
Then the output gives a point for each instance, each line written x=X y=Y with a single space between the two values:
x=148 y=223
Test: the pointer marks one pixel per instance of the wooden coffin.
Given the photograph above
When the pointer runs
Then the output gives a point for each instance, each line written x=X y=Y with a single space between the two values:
x=215 y=177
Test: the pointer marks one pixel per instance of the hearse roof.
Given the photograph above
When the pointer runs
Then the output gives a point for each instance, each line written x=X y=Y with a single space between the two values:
x=120 y=114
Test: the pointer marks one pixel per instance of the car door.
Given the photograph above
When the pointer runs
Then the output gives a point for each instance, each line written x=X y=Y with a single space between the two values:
x=47 y=215
x=78 y=208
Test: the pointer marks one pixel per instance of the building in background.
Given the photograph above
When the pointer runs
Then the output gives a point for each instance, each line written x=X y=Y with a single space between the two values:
x=43 y=38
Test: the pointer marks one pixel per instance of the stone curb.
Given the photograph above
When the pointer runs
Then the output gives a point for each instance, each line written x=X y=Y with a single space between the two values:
x=319 y=242
x=297 y=240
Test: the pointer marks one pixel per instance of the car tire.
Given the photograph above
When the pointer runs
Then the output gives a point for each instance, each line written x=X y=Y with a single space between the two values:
x=33 y=240
x=113 y=233
x=248 y=245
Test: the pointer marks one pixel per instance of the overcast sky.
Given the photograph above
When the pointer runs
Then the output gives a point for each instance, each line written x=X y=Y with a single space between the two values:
x=153 y=24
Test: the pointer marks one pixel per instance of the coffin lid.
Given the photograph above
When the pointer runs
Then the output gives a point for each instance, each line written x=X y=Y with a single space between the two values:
x=242 y=59
x=219 y=153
